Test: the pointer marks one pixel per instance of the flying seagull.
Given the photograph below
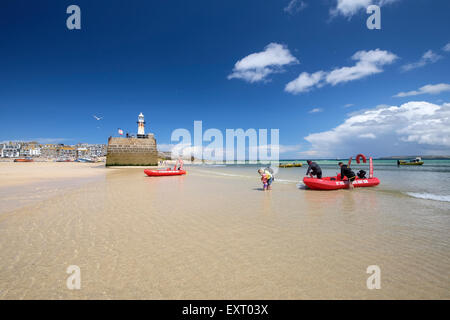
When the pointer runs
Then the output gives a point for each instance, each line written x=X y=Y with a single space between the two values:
x=97 y=118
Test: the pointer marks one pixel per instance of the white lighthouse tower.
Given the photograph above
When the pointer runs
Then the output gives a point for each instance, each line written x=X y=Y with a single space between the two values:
x=141 y=126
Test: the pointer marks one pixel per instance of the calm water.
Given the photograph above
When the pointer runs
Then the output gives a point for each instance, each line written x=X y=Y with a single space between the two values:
x=213 y=234
x=429 y=181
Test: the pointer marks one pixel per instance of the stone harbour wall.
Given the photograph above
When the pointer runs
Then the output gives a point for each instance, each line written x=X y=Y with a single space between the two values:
x=132 y=152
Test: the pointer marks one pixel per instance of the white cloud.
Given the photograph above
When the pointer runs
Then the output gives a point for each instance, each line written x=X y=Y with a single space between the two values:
x=446 y=47
x=427 y=58
x=289 y=148
x=367 y=136
x=428 y=89
x=186 y=150
x=316 y=110
x=257 y=66
x=415 y=127
x=348 y=8
x=368 y=63
x=276 y=148
x=295 y=6
x=165 y=147
x=348 y=105
x=305 y=82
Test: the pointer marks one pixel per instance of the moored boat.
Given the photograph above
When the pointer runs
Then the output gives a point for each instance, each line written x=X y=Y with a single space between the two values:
x=415 y=162
x=176 y=171
x=24 y=160
x=335 y=183
x=290 y=165
x=86 y=160
x=164 y=172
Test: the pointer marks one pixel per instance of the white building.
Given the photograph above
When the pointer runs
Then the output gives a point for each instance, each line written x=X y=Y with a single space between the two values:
x=30 y=149
x=34 y=152
x=10 y=151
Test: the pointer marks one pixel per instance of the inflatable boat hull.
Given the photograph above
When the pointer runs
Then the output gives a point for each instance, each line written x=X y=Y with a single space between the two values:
x=164 y=172
x=333 y=183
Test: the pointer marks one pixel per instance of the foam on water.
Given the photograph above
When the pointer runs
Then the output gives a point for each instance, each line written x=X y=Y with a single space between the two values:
x=429 y=196
x=222 y=174
x=285 y=180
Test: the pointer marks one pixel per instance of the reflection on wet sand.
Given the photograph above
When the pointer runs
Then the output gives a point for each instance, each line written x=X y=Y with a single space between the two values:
x=210 y=236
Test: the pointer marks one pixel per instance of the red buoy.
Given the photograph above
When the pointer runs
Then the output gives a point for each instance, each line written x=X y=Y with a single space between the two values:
x=359 y=156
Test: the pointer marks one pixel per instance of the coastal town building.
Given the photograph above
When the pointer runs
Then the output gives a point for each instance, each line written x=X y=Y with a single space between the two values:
x=30 y=149
x=51 y=151
x=66 y=152
x=133 y=151
x=96 y=150
x=11 y=150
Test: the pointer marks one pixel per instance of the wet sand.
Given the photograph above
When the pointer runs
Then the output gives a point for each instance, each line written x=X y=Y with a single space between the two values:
x=212 y=236
x=26 y=183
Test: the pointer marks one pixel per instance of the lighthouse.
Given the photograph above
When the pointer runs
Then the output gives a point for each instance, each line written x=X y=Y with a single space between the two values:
x=133 y=151
x=141 y=126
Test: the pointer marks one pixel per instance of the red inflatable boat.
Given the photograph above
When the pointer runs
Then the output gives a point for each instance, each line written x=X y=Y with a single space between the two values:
x=164 y=172
x=168 y=171
x=335 y=183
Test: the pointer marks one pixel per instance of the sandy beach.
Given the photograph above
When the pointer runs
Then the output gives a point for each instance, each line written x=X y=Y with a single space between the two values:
x=213 y=234
x=15 y=174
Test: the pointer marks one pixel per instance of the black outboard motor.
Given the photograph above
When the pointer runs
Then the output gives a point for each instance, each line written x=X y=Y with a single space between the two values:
x=361 y=174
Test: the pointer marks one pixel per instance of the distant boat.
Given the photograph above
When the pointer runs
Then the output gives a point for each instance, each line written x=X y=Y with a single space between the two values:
x=64 y=160
x=290 y=165
x=24 y=160
x=415 y=162
x=86 y=160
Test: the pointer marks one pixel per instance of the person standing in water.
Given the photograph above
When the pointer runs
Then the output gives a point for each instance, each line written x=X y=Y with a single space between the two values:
x=346 y=171
x=314 y=169
x=266 y=179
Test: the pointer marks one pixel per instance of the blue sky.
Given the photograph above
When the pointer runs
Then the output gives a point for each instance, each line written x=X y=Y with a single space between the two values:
x=178 y=61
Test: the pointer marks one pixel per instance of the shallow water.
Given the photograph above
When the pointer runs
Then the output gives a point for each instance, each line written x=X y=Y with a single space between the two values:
x=213 y=234
x=429 y=181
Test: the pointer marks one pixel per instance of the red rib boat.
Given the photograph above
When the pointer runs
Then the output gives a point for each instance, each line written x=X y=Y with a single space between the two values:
x=164 y=172
x=24 y=160
x=335 y=183
x=168 y=171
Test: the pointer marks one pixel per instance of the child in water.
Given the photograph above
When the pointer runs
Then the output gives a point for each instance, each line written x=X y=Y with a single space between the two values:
x=265 y=178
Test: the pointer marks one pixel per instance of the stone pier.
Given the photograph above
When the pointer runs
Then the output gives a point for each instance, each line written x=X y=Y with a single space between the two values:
x=132 y=151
